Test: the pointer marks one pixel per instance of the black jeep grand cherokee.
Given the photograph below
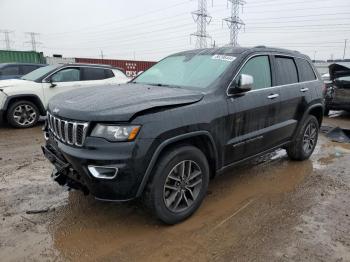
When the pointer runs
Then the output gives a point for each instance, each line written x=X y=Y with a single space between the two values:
x=188 y=118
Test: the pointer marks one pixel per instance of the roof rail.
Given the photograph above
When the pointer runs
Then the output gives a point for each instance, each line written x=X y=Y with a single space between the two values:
x=260 y=46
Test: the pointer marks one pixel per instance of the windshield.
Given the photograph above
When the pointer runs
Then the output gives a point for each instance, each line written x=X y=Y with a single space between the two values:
x=195 y=71
x=40 y=72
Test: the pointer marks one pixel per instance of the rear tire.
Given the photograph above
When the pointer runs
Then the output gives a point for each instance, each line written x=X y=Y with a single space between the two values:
x=23 y=114
x=306 y=139
x=179 y=184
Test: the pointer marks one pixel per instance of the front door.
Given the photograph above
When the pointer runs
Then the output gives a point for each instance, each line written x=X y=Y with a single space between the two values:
x=64 y=80
x=253 y=116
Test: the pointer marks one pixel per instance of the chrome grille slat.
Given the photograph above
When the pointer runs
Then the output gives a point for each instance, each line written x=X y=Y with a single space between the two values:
x=70 y=132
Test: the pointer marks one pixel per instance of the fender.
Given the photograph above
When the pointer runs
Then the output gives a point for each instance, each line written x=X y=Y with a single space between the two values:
x=34 y=98
x=306 y=113
x=168 y=142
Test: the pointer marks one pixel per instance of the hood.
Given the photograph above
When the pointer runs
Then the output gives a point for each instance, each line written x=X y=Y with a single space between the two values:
x=338 y=70
x=118 y=103
x=4 y=84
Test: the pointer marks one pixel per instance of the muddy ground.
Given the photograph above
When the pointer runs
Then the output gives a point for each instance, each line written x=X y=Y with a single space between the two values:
x=270 y=209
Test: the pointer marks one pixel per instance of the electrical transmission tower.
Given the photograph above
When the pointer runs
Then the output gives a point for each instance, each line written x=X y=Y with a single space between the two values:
x=34 y=43
x=202 y=18
x=234 y=22
x=7 y=38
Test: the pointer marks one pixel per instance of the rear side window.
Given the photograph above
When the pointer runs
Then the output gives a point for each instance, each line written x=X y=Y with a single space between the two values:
x=259 y=68
x=286 y=71
x=93 y=74
x=306 y=73
x=10 y=71
x=28 y=68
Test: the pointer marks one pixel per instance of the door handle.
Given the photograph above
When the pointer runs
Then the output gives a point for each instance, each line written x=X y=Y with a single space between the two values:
x=273 y=96
x=304 y=89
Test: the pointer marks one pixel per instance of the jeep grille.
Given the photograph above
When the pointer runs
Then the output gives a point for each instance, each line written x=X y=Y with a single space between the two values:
x=70 y=132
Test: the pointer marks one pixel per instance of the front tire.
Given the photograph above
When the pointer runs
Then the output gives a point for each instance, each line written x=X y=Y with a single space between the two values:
x=23 y=114
x=305 y=142
x=179 y=184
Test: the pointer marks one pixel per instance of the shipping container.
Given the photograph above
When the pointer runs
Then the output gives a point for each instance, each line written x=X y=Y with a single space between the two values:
x=59 y=60
x=131 y=68
x=21 y=57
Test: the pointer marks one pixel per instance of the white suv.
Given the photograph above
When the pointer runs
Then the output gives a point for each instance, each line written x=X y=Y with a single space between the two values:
x=24 y=100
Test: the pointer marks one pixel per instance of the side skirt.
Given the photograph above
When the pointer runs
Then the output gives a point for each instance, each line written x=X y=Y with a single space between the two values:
x=223 y=169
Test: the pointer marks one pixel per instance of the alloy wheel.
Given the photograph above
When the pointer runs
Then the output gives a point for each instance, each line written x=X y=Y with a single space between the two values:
x=310 y=137
x=24 y=115
x=182 y=186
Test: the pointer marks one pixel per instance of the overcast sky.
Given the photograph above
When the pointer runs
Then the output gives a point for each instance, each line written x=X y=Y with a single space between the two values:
x=150 y=30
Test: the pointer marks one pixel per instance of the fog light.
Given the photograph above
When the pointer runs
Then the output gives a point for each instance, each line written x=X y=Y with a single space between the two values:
x=103 y=172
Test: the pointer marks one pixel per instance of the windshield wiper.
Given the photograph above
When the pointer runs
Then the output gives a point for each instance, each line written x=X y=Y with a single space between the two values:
x=164 y=85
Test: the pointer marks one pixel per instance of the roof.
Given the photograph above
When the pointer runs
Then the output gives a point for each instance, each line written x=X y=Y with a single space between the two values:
x=92 y=65
x=229 y=50
x=15 y=63
x=85 y=64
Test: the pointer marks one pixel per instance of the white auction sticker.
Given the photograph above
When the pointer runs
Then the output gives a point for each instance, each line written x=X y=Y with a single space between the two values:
x=224 y=58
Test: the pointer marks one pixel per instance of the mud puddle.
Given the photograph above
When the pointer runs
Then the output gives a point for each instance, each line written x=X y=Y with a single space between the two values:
x=103 y=230
x=266 y=210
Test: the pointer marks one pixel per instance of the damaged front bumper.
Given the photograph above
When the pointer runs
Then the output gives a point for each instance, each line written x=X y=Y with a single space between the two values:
x=63 y=173
x=108 y=171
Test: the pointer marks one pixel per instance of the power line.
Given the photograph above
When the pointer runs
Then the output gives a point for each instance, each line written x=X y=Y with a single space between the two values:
x=234 y=22
x=34 y=43
x=202 y=18
x=7 y=38
x=127 y=20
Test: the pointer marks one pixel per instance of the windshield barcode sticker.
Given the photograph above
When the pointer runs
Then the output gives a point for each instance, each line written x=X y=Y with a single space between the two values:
x=224 y=58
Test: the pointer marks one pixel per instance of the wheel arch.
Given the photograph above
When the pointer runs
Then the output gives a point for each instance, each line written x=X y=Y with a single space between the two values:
x=203 y=140
x=315 y=110
x=29 y=97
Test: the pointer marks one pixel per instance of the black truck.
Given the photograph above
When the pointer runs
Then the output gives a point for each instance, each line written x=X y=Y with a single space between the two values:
x=188 y=118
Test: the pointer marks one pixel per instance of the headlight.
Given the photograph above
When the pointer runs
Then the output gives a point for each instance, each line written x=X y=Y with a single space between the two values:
x=116 y=133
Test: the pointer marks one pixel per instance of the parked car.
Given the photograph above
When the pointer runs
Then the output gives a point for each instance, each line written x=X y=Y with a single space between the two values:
x=23 y=100
x=337 y=89
x=16 y=70
x=186 y=119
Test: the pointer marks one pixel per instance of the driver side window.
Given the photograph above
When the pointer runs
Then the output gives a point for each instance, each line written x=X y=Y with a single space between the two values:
x=259 y=68
x=66 y=75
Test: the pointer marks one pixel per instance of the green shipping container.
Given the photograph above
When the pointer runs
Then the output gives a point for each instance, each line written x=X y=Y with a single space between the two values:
x=21 y=57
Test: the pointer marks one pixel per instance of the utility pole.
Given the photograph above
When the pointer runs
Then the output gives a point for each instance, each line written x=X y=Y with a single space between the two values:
x=7 y=38
x=34 y=43
x=345 y=43
x=101 y=54
x=234 y=22
x=202 y=18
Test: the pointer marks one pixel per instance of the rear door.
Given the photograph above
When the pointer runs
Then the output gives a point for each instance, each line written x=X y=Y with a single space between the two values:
x=93 y=76
x=293 y=93
x=253 y=116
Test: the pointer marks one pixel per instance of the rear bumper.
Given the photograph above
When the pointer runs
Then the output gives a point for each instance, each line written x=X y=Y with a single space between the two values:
x=71 y=168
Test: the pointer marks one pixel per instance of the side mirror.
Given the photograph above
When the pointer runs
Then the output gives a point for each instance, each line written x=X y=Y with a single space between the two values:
x=52 y=84
x=242 y=85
